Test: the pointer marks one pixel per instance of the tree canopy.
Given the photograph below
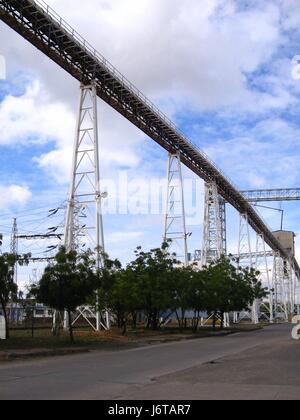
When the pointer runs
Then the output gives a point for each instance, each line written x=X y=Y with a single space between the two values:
x=67 y=283
x=153 y=284
x=8 y=287
x=156 y=284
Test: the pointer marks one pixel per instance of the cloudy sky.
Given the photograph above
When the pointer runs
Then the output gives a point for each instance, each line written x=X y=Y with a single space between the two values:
x=221 y=69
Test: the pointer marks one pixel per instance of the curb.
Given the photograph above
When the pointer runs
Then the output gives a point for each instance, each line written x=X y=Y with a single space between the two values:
x=8 y=356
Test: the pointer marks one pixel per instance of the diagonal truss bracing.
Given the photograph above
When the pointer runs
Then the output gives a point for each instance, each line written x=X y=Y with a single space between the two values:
x=281 y=194
x=43 y=28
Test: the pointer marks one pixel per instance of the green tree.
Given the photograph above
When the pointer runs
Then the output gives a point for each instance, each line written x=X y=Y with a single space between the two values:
x=124 y=299
x=251 y=278
x=107 y=275
x=229 y=288
x=68 y=283
x=8 y=288
x=153 y=272
x=198 y=296
x=184 y=286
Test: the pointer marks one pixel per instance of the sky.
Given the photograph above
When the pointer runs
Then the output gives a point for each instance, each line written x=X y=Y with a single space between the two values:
x=222 y=70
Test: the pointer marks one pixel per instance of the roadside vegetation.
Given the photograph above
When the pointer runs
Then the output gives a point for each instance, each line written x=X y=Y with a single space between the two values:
x=153 y=286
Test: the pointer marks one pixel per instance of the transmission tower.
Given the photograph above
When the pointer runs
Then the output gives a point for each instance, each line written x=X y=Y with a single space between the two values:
x=175 y=222
x=85 y=197
x=14 y=247
x=214 y=229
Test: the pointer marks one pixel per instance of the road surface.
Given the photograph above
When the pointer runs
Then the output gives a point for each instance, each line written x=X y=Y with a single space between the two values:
x=260 y=365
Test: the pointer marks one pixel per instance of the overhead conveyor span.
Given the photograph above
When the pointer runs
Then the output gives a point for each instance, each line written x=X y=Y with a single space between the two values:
x=278 y=194
x=43 y=28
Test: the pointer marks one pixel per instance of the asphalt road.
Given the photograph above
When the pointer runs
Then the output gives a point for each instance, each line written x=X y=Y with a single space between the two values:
x=260 y=365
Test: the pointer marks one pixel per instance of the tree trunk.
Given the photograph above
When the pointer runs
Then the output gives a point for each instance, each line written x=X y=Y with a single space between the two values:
x=182 y=318
x=214 y=321
x=32 y=324
x=149 y=320
x=178 y=320
x=154 y=321
x=194 y=322
x=71 y=327
x=198 y=321
x=124 y=327
x=119 y=319
x=134 y=320
x=222 y=320
x=6 y=323
x=6 y=319
x=55 y=326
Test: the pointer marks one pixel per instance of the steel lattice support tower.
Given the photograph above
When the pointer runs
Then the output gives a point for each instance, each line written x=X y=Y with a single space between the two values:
x=85 y=195
x=214 y=228
x=175 y=220
x=280 y=302
x=289 y=287
x=46 y=30
x=222 y=204
x=294 y=289
x=85 y=181
x=261 y=265
x=284 y=283
x=245 y=248
x=214 y=244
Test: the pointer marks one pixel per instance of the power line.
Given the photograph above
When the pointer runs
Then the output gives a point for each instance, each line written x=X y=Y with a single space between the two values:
x=27 y=211
x=46 y=236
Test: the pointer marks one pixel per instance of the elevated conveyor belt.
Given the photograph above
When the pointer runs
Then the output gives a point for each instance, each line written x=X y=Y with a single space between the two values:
x=47 y=31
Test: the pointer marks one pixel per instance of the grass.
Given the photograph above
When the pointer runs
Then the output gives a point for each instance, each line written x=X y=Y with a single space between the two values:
x=112 y=340
x=43 y=339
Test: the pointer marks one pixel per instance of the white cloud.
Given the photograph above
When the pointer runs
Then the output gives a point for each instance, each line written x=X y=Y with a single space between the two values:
x=13 y=196
x=290 y=14
x=185 y=55
x=124 y=237
x=30 y=118
x=182 y=53
x=265 y=155
x=35 y=118
x=194 y=53
x=118 y=141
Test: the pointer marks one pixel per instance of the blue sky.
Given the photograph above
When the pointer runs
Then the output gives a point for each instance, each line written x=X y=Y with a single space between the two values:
x=220 y=69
